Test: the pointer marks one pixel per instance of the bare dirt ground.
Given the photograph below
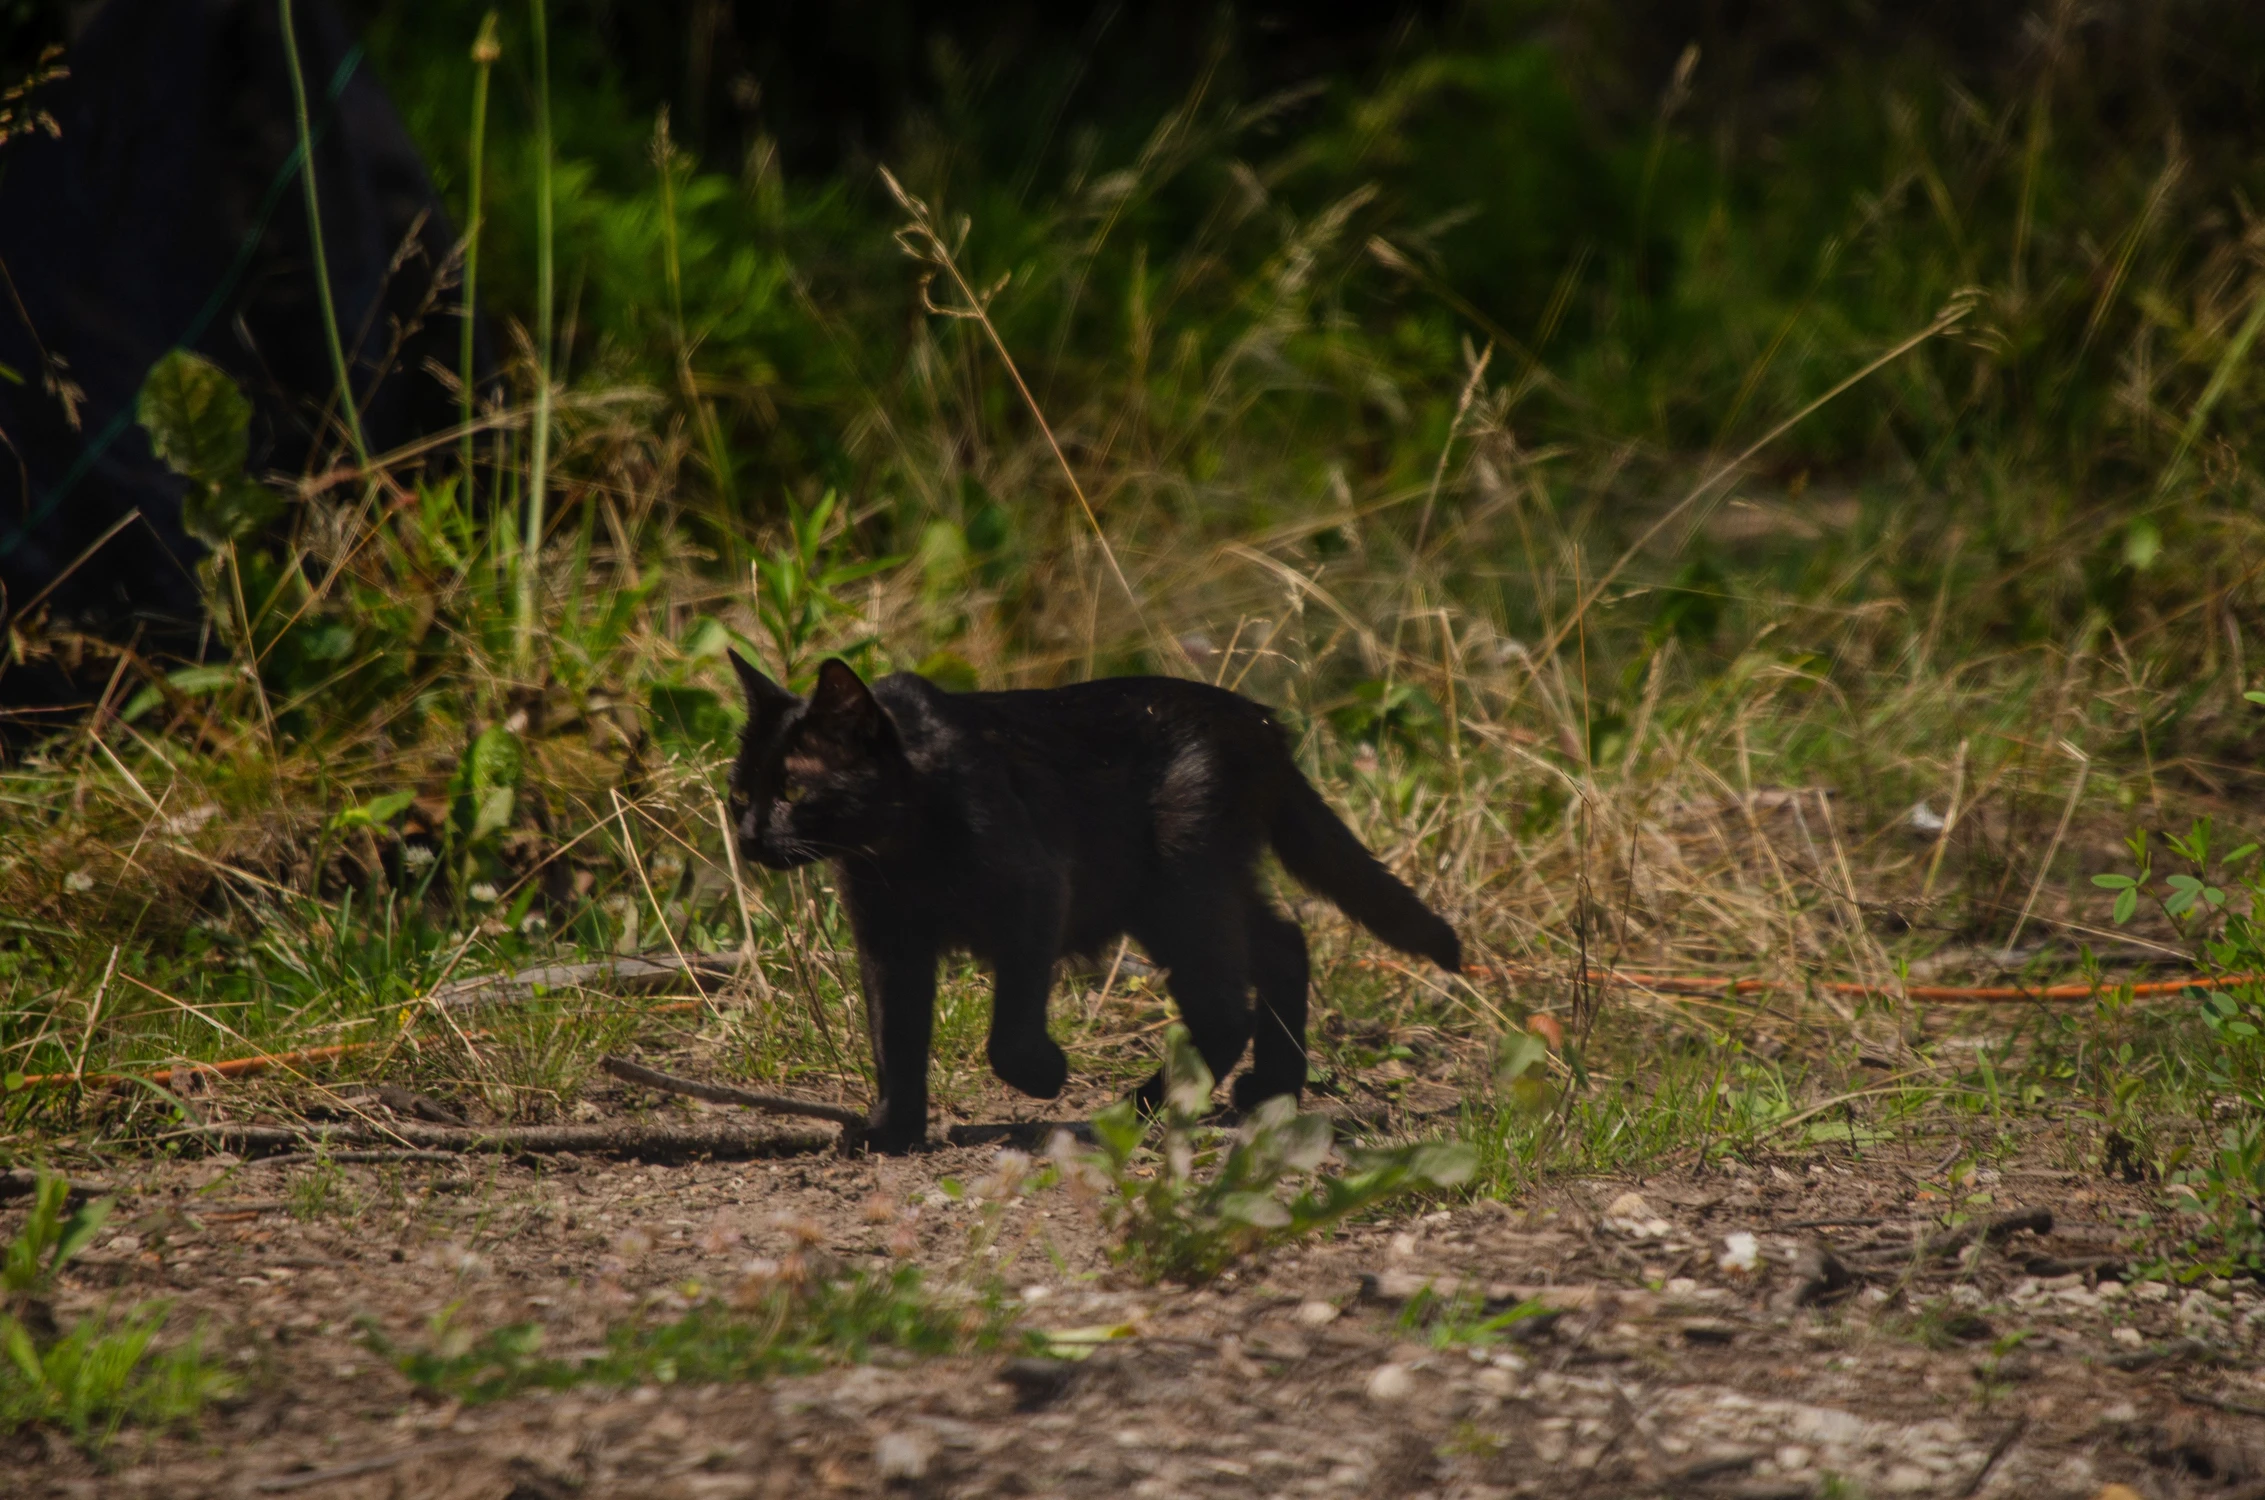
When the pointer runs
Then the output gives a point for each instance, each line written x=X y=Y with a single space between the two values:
x=2038 y=1364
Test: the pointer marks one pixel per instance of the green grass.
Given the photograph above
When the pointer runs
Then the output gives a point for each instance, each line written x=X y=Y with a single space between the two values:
x=1580 y=682
x=782 y=1327
x=99 y=1371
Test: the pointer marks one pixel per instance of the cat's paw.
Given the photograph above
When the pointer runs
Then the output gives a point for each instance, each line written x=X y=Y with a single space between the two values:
x=884 y=1137
x=1250 y=1091
x=886 y=1142
x=1036 y=1067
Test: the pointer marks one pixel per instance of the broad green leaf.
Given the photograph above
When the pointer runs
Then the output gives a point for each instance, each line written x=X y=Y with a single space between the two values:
x=2113 y=882
x=2126 y=904
x=1259 y=1210
x=189 y=682
x=81 y=1228
x=1443 y=1163
x=690 y=718
x=1077 y=1343
x=2255 y=696
x=198 y=422
x=1305 y=1142
x=2142 y=544
x=229 y=511
x=1119 y=1129
x=1187 y=1079
x=1520 y=1052
x=487 y=782
x=491 y=810
x=377 y=812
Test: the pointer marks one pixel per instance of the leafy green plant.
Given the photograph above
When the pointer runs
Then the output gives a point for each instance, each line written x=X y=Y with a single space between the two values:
x=100 y=1373
x=1200 y=1198
x=782 y=1325
x=1464 y=1320
x=798 y=584
x=48 y=1240
x=200 y=425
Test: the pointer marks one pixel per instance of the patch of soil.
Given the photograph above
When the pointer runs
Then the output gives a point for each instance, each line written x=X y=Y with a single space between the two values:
x=1857 y=1354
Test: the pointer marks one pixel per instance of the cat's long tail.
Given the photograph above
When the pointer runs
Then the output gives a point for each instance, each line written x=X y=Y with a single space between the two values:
x=1316 y=847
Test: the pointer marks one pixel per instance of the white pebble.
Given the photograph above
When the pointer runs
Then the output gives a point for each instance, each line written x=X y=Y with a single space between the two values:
x=1390 y=1383
x=903 y=1456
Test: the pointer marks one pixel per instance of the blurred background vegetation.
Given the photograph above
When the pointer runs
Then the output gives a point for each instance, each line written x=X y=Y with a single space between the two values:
x=1475 y=381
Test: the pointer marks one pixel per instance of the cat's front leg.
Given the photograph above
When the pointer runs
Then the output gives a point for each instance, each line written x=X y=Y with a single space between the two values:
x=900 y=1010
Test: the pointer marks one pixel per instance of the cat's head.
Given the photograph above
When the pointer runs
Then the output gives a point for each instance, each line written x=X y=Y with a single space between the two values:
x=819 y=778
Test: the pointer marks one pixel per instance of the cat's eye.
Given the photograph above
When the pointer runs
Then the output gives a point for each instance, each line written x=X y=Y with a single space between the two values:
x=791 y=793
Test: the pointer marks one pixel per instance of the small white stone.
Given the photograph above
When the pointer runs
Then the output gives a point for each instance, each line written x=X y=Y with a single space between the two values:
x=1793 y=1458
x=1629 y=1206
x=1680 y=1286
x=1316 y=1314
x=903 y=1456
x=2151 y=1291
x=1403 y=1245
x=1741 y=1253
x=1495 y=1382
x=2130 y=1338
x=1390 y=1383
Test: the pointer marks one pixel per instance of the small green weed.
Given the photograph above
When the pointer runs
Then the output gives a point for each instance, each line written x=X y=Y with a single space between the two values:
x=782 y=1326
x=1465 y=1321
x=1173 y=1223
x=95 y=1376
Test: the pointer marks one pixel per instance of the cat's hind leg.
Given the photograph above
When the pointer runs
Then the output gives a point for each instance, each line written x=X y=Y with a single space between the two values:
x=1200 y=938
x=1020 y=1051
x=1279 y=975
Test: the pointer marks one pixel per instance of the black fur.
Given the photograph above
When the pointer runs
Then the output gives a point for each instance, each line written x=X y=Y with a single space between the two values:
x=1024 y=826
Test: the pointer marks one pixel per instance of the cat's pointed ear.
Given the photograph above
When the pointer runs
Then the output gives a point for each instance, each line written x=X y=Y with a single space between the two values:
x=765 y=698
x=844 y=709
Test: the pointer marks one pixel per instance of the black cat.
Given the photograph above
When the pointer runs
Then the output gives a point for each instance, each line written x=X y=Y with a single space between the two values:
x=1027 y=825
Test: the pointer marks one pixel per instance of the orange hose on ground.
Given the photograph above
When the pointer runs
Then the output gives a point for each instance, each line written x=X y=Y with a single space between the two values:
x=1703 y=984
x=1688 y=984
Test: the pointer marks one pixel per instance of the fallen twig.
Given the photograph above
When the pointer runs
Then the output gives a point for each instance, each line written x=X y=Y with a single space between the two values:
x=22 y=1182
x=358 y=1158
x=724 y=1093
x=1998 y=1450
x=665 y=1141
x=378 y=1463
x=1989 y=1231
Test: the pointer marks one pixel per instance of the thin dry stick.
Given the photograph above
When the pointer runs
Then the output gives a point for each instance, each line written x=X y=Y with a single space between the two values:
x=1431 y=499
x=746 y=912
x=637 y=862
x=724 y=1093
x=2045 y=865
x=1950 y=821
x=923 y=230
